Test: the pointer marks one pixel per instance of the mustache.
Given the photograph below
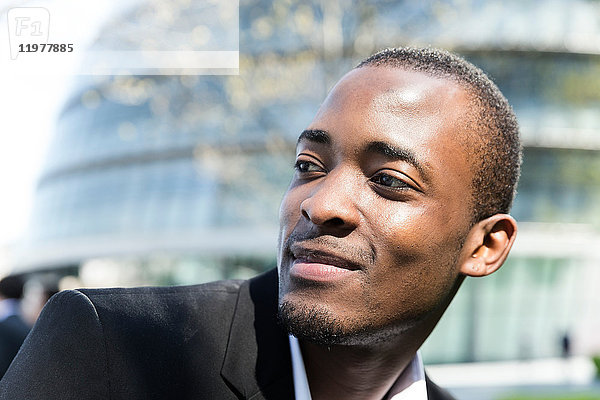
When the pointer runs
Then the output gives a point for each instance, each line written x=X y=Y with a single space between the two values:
x=335 y=245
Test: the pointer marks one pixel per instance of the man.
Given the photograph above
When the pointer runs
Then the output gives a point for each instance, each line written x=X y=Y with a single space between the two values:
x=402 y=186
x=13 y=328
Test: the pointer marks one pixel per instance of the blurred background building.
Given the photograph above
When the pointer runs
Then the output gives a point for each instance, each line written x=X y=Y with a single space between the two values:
x=178 y=179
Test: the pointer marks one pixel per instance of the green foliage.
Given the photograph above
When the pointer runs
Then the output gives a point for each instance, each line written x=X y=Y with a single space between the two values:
x=596 y=360
x=578 y=396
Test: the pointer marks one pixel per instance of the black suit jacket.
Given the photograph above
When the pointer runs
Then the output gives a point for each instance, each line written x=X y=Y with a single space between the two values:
x=214 y=341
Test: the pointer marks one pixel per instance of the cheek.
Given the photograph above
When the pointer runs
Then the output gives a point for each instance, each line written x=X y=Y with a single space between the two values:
x=289 y=215
x=419 y=254
x=428 y=229
x=287 y=221
x=406 y=230
x=289 y=209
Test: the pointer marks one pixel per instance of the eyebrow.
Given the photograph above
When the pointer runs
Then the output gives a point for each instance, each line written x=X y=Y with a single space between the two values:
x=395 y=153
x=315 y=135
x=387 y=150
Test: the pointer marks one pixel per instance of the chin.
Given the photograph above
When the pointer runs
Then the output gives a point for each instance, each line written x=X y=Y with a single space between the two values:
x=317 y=324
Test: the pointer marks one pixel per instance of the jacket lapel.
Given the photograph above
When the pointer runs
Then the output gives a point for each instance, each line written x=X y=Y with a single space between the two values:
x=257 y=360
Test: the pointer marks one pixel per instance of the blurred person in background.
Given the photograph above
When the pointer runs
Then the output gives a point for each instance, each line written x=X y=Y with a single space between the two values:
x=402 y=185
x=13 y=328
x=36 y=292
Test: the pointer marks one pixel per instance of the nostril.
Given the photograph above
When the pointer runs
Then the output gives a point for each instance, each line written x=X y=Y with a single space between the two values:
x=329 y=212
x=305 y=214
x=334 y=221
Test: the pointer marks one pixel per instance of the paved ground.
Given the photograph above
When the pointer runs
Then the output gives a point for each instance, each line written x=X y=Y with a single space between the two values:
x=498 y=393
x=498 y=380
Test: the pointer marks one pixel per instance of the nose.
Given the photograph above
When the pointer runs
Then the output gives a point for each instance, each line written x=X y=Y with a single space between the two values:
x=332 y=203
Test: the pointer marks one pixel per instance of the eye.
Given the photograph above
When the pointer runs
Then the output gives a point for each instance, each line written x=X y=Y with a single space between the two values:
x=305 y=167
x=390 y=182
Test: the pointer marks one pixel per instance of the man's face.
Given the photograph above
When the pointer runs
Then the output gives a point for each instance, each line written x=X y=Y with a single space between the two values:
x=373 y=222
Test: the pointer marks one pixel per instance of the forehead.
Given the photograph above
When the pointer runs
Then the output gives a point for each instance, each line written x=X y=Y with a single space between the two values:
x=396 y=95
x=391 y=104
x=391 y=89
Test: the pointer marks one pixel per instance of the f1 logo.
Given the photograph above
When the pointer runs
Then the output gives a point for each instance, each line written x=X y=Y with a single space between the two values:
x=27 y=25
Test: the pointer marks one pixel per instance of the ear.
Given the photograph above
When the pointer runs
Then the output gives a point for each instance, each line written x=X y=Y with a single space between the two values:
x=487 y=245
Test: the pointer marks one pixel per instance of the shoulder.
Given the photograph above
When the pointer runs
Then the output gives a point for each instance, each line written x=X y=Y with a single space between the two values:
x=66 y=337
x=218 y=288
x=144 y=312
x=213 y=300
x=130 y=341
x=153 y=299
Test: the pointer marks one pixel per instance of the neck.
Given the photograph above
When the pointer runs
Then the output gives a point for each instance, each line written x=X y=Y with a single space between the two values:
x=366 y=372
x=355 y=372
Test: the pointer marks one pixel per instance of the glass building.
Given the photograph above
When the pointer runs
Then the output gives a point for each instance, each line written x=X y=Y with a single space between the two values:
x=178 y=179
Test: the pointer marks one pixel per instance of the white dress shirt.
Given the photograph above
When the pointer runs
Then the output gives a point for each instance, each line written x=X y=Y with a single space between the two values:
x=410 y=385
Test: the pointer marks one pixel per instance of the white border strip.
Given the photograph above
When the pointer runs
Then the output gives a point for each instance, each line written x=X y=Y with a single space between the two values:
x=114 y=62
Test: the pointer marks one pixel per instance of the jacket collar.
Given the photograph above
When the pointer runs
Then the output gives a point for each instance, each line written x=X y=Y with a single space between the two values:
x=257 y=360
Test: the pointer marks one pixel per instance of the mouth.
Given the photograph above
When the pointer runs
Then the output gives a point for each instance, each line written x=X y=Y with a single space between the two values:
x=318 y=264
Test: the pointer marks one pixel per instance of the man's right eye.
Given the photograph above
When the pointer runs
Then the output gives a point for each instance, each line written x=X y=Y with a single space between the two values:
x=304 y=166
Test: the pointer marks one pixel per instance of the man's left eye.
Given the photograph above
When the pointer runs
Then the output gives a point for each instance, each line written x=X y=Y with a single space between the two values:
x=390 y=181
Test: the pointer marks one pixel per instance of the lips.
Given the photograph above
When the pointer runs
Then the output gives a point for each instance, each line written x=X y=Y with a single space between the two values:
x=317 y=264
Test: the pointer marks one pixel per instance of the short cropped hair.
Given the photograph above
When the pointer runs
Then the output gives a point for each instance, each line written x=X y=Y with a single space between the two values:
x=497 y=151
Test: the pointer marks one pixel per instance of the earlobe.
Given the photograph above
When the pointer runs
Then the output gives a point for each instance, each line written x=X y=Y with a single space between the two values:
x=488 y=245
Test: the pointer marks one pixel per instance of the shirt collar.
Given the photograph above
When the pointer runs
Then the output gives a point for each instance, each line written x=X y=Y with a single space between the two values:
x=410 y=385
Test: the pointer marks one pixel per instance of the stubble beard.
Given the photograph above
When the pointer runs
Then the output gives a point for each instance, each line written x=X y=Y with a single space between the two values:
x=316 y=324
x=319 y=325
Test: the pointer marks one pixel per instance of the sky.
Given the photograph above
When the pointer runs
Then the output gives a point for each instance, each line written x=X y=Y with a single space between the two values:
x=28 y=107
x=31 y=96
